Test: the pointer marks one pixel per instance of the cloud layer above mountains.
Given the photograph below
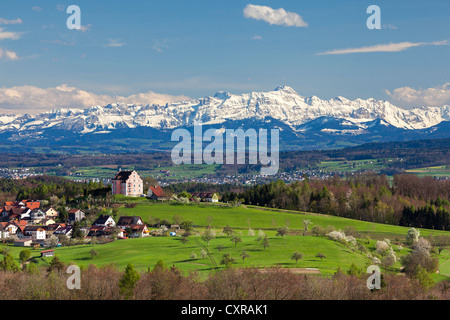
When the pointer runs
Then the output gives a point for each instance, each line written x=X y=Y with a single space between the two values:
x=435 y=97
x=31 y=99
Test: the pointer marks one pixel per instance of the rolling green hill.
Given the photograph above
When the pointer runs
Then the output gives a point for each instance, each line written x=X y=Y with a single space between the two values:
x=145 y=252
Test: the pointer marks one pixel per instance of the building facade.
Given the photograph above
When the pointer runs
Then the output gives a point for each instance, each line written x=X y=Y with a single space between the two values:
x=128 y=183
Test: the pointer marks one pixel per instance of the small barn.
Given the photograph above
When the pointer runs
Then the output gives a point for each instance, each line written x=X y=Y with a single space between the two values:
x=47 y=253
x=23 y=243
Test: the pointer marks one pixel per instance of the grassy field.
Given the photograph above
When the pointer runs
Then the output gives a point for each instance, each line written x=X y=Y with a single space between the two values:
x=145 y=252
x=351 y=165
x=254 y=217
x=439 y=171
x=173 y=172
x=444 y=268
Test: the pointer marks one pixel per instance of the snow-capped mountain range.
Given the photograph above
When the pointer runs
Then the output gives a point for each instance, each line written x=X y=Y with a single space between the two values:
x=283 y=104
x=283 y=108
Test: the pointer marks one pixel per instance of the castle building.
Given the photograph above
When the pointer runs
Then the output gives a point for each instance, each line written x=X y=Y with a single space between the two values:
x=128 y=183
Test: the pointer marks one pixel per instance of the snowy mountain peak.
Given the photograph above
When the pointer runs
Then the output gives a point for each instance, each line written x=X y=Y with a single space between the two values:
x=285 y=89
x=223 y=95
x=283 y=104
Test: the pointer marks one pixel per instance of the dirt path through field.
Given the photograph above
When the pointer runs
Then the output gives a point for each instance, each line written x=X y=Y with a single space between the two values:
x=198 y=264
x=297 y=270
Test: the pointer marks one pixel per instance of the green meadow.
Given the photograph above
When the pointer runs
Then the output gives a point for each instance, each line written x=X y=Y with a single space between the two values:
x=245 y=217
x=187 y=171
x=145 y=252
x=351 y=165
x=438 y=171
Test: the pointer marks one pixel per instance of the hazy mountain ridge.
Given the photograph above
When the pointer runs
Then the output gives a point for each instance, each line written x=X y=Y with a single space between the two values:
x=305 y=122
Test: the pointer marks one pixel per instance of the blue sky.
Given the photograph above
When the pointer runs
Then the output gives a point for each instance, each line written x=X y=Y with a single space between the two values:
x=195 y=48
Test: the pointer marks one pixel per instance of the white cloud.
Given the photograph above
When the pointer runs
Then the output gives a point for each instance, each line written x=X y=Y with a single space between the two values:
x=391 y=47
x=279 y=17
x=163 y=44
x=36 y=8
x=256 y=37
x=409 y=97
x=85 y=28
x=60 y=42
x=61 y=7
x=114 y=43
x=9 y=35
x=8 y=55
x=31 y=99
x=15 y=21
x=389 y=26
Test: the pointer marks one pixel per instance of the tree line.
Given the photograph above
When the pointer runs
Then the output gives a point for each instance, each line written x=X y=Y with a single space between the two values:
x=49 y=187
x=409 y=201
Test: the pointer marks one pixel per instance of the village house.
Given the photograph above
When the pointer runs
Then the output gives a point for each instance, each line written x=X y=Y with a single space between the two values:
x=76 y=215
x=5 y=213
x=51 y=228
x=105 y=221
x=18 y=210
x=30 y=204
x=127 y=183
x=36 y=233
x=23 y=243
x=22 y=214
x=206 y=196
x=20 y=224
x=134 y=226
x=46 y=222
x=126 y=221
x=65 y=230
x=138 y=231
x=36 y=215
x=15 y=213
x=13 y=228
x=103 y=231
x=51 y=213
x=156 y=193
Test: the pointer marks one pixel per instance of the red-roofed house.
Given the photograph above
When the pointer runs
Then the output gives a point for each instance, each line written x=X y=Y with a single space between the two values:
x=32 y=204
x=47 y=253
x=156 y=193
x=13 y=228
x=135 y=224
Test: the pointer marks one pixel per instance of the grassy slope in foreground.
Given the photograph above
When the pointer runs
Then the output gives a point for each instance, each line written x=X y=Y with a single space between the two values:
x=145 y=252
